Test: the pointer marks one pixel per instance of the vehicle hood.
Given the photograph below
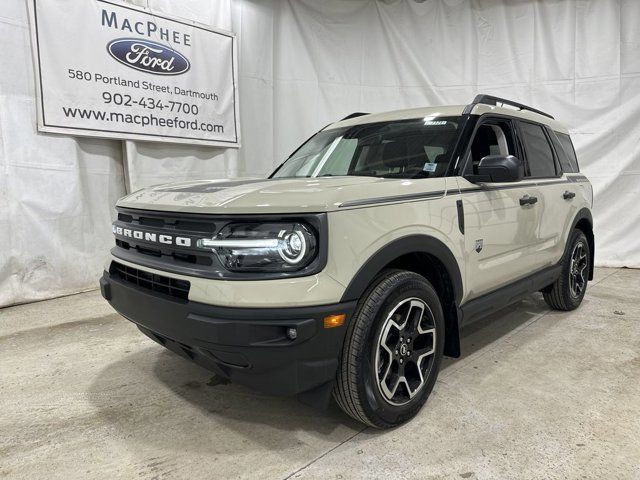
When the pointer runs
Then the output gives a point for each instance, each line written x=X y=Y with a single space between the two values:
x=280 y=195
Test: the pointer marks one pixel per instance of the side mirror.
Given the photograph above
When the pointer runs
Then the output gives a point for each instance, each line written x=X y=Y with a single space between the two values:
x=499 y=168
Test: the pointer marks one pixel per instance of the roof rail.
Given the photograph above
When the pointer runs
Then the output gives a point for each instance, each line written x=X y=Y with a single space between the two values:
x=353 y=115
x=491 y=100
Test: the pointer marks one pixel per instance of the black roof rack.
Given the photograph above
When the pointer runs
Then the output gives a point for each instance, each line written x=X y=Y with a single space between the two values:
x=354 y=115
x=491 y=100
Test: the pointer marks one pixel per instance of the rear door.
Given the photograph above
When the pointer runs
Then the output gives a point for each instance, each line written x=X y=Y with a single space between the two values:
x=499 y=230
x=543 y=167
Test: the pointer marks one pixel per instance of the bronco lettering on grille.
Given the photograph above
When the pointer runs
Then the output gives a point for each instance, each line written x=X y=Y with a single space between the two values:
x=152 y=237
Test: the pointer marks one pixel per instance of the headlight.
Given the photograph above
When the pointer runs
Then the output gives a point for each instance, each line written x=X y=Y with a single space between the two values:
x=264 y=247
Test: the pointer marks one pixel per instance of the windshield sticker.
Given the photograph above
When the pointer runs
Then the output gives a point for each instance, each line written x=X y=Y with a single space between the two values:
x=429 y=167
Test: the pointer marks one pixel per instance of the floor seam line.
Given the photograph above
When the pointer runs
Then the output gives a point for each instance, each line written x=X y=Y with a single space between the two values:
x=325 y=453
x=522 y=327
x=602 y=279
x=493 y=347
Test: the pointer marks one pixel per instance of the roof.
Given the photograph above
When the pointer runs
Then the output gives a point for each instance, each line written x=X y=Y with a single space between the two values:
x=443 y=111
x=448 y=111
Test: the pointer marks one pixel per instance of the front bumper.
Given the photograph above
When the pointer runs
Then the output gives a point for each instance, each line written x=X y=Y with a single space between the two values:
x=248 y=346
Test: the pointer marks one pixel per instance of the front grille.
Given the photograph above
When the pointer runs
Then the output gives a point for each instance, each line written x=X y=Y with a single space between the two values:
x=167 y=223
x=156 y=252
x=170 y=221
x=172 y=287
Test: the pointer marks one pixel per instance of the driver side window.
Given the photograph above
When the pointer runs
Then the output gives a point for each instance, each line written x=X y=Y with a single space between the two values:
x=493 y=137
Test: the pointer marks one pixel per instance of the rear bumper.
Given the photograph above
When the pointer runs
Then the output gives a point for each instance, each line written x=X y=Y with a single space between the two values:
x=248 y=346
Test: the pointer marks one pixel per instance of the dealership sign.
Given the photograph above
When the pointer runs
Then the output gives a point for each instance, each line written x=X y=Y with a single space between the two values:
x=110 y=69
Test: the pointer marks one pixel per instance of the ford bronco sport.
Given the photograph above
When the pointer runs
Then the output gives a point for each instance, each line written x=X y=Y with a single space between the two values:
x=351 y=269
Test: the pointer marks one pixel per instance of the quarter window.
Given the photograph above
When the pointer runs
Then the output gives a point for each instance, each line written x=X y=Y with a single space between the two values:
x=538 y=150
x=571 y=159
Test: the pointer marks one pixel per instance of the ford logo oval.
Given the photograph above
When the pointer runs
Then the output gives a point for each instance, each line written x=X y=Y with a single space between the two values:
x=147 y=56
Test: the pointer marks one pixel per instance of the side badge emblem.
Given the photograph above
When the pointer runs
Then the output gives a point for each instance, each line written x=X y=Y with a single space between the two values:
x=478 y=245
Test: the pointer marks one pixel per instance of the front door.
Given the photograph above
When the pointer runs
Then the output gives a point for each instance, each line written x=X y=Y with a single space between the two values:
x=500 y=224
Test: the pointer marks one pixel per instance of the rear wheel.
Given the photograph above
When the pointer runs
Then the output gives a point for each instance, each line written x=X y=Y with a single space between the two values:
x=567 y=292
x=392 y=351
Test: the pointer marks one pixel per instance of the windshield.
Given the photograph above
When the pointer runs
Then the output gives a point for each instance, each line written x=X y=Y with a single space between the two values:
x=416 y=148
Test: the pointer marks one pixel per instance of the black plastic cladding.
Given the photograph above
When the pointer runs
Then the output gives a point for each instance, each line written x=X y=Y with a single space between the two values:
x=169 y=258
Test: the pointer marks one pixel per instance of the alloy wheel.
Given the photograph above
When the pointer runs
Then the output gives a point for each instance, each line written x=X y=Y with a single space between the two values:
x=406 y=351
x=577 y=270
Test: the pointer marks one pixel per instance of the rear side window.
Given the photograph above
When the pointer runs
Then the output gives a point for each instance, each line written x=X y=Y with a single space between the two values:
x=570 y=164
x=538 y=150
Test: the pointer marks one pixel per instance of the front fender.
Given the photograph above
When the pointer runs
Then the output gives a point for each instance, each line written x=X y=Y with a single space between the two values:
x=396 y=249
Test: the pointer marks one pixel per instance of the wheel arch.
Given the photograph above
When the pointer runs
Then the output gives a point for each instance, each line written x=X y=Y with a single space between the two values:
x=428 y=257
x=584 y=221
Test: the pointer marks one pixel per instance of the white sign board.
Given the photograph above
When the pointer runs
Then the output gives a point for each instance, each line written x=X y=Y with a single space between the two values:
x=110 y=69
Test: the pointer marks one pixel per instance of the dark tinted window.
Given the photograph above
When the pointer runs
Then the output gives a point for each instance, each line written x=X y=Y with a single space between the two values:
x=538 y=150
x=571 y=164
x=560 y=154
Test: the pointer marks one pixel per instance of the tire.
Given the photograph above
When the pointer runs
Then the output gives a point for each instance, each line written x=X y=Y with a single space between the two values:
x=369 y=385
x=564 y=293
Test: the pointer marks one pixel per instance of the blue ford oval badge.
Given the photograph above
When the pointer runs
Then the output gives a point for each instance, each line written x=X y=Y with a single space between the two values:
x=148 y=56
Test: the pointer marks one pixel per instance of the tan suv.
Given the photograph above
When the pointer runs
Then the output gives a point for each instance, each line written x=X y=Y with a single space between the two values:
x=351 y=269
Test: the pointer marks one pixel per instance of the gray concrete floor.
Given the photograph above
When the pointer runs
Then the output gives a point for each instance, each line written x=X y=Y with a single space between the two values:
x=538 y=394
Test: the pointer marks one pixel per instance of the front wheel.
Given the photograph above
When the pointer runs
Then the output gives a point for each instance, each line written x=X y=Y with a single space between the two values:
x=567 y=292
x=392 y=351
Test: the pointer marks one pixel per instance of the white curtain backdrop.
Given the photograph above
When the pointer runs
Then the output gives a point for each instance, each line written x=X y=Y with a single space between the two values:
x=304 y=64
x=55 y=191
x=577 y=59
x=252 y=21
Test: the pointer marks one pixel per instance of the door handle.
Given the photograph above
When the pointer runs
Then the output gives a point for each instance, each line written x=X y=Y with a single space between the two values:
x=567 y=195
x=527 y=200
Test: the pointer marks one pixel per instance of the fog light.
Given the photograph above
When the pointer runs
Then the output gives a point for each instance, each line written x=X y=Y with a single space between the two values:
x=292 y=333
x=333 y=321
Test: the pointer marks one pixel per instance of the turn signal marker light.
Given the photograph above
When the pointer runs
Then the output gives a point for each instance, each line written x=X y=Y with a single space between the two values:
x=333 y=321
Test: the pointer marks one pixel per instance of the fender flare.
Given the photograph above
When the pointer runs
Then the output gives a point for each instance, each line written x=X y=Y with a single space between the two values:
x=396 y=249
x=585 y=214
